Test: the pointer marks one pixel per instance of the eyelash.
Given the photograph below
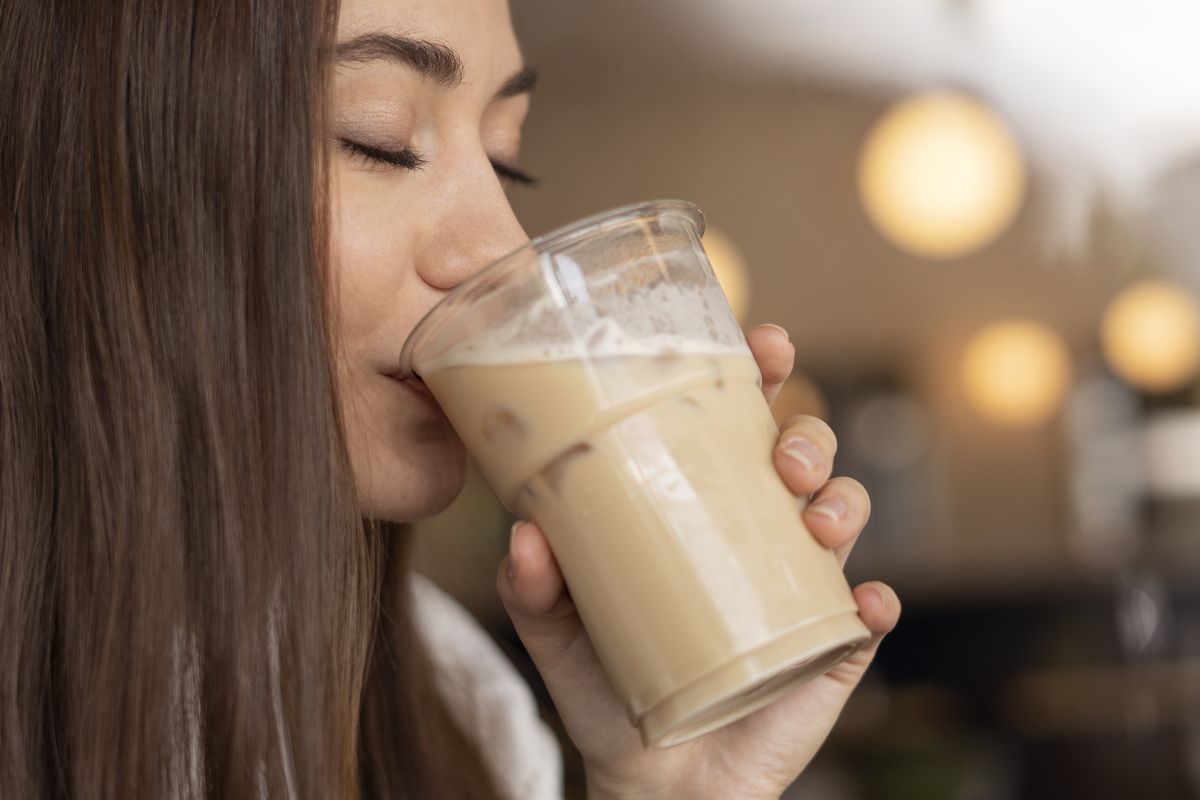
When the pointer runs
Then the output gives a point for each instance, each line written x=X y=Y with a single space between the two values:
x=411 y=159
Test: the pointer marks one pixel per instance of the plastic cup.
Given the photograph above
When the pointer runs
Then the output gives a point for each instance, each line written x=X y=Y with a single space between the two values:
x=600 y=381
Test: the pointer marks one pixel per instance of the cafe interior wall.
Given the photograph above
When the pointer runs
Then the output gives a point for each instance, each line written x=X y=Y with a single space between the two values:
x=979 y=515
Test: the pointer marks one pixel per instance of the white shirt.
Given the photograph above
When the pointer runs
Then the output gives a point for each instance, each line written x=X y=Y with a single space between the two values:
x=487 y=696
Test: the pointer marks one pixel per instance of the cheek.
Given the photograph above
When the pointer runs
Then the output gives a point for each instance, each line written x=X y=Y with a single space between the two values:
x=371 y=261
x=408 y=462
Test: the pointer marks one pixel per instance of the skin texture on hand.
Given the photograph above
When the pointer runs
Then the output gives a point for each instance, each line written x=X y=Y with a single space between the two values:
x=759 y=755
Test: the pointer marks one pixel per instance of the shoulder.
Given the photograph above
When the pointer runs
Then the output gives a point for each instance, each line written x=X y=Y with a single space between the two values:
x=487 y=695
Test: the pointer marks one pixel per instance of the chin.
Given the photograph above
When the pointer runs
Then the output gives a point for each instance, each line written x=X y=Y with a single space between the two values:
x=414 y=484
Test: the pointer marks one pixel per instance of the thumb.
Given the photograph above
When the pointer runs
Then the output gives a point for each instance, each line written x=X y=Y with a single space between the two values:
x=534 y=594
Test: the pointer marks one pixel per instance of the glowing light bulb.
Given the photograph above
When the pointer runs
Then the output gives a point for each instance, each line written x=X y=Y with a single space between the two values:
x=1150 y=334
x=730 y=269
x=1016 y=372
x=940 y=175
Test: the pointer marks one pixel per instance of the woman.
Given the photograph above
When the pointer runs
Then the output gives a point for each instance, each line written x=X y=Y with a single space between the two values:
x=221 y=220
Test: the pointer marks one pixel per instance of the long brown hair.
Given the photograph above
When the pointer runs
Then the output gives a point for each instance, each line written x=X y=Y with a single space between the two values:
x=178 y=520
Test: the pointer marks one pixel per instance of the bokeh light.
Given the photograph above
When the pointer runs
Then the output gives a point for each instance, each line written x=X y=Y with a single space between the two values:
x=730 y=269
x=1151 y=335
x=892 y=431
x=1016 y=372
x=940 y=175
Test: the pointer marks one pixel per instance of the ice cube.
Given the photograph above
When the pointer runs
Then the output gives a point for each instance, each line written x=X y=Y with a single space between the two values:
x=503 y=429
x=554 y=472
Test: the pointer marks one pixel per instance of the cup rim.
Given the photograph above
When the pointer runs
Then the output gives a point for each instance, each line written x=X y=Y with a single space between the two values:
x=557 y=239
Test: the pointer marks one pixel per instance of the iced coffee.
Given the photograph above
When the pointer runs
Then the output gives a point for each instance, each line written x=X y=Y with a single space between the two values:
x=624 y=413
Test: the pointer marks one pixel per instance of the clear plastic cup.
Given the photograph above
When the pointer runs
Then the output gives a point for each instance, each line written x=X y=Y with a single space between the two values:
x=599 y=379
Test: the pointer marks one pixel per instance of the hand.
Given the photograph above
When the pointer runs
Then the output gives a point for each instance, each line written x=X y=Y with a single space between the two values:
x=759 y=755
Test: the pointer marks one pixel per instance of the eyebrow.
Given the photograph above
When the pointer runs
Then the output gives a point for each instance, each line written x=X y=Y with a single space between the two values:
x=432 y=60
x=435 y=61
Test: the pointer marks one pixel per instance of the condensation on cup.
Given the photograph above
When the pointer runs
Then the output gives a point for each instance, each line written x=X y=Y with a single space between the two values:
x=599 y=379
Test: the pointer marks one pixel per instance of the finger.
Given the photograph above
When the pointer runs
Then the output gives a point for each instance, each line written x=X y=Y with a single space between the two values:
x=775 y=355
x=545 y=618
x=805 y=716
x=532 y=586
x=879 y=609
x=804 y=454
x=878 y=606
x=837 y=515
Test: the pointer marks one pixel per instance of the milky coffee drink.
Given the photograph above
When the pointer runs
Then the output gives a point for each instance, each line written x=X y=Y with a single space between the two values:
x=646 y=457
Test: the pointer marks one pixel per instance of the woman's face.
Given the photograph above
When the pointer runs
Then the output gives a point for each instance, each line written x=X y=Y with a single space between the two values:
x=428 y=101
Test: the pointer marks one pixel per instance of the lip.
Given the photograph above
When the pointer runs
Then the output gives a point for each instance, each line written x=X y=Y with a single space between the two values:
x=417 y=387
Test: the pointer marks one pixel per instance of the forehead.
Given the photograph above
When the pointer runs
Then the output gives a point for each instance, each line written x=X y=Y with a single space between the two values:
x=480 y=31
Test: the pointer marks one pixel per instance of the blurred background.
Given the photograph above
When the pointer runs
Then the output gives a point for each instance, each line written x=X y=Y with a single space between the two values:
x=979 y=220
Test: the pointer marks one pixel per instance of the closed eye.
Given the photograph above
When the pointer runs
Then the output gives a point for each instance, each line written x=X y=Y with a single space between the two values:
x=406 y=158
x=409 y=158
x=512 y=174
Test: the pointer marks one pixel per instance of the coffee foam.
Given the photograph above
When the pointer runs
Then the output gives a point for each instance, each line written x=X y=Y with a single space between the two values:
x=665 y=318
x=574 y=352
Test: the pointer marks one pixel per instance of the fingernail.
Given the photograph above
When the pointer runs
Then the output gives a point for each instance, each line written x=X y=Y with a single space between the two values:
x=782 y=332
x=832 y=508
x=878 y=597
x=803 y=451
x=512 y=558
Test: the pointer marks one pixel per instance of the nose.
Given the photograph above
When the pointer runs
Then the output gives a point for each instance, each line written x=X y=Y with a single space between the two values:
x=475 y=226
